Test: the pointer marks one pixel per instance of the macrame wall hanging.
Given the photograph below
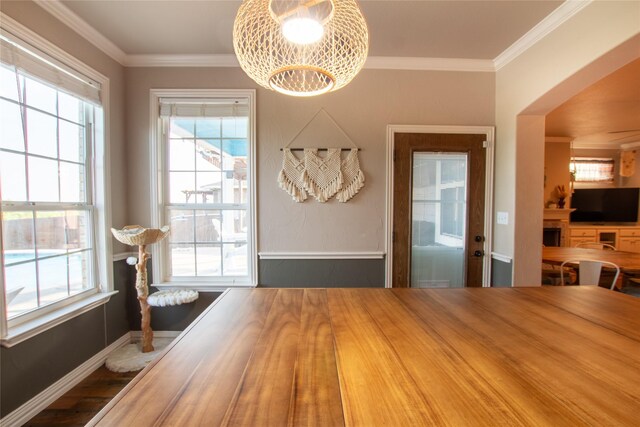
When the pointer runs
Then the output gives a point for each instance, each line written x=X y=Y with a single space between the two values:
x=321 y=176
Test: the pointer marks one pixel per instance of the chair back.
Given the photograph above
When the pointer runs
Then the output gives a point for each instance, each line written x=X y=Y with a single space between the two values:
x=589 y=271
x=595 y=245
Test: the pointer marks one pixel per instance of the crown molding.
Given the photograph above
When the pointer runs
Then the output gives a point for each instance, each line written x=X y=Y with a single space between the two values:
x=80 y=26
x=228 y=60
x=373 y=62
x=563 y=13
x=428 y=64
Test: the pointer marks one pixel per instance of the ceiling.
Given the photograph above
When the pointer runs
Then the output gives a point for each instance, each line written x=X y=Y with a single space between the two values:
x=431 y=29
x=607 y=112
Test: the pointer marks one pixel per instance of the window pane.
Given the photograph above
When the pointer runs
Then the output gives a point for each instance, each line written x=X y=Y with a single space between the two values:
x=79 y=272
x=208 y=259
x=13 y=180
x=235 y=127
x=42 y=133
x=52 y=278
x=40 y=96
x=77 y=229
x=234 y=186
x=182 y=188
x=20 y=284
x=17 y=236
x=183 y=260
x=234 y=226
x=19 y=256
x=208 y=226
x=50 y=233
x=182 y=230
x=61 y=231
x=71 y=183
x=453 y=204
x=208 y=158
x=71 y=142
x=11 y=134
x=43 y=180
x=232 y=150
x=235 y=260
x=208 y=128
x=181 y=155
x=8 y=83
x=70 y=108
x=208 y=184
x=182 y=128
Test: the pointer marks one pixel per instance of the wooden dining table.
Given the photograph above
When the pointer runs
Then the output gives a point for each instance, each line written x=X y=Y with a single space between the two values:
x=627 y=261
x=555 y=356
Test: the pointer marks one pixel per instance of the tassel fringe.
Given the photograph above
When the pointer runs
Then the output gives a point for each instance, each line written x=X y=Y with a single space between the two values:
x=352 y=188
x=298 y=194
x=325 y=193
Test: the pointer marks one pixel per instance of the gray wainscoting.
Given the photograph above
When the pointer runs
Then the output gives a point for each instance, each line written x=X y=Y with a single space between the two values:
x=321 y=273
x=31 y=366
x=174 y=318
x=501 y=273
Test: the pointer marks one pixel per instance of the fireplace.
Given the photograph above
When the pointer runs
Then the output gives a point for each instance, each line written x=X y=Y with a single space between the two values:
x=553 y=233
x=552 y=236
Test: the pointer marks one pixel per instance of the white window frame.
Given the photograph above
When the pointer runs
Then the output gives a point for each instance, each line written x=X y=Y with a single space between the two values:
x=158 y=162
x=42 y=319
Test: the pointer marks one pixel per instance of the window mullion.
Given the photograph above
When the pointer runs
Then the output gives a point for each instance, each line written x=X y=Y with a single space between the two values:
x=35 y=251
x=58 y=151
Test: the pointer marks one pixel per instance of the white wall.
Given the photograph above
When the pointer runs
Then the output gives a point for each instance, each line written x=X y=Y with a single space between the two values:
x=363 y=109
x=560 y=65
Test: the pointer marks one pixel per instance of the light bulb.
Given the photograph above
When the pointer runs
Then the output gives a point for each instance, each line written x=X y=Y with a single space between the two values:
x=302 y=30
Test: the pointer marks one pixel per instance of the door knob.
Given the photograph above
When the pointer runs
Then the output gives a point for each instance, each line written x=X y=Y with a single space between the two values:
x=478 y=253
x=479 y=238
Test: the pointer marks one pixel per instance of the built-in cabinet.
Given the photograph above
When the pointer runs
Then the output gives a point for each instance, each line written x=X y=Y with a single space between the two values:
x=629 y=240
x=623 y=238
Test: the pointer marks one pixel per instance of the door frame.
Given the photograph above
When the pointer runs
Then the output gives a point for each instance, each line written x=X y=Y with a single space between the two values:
x=489 y=132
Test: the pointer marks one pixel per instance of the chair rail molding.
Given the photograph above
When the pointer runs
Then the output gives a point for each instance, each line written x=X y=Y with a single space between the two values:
x=321 y=255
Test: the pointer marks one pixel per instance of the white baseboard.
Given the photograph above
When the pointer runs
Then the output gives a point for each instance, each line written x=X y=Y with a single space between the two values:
x=45 y=398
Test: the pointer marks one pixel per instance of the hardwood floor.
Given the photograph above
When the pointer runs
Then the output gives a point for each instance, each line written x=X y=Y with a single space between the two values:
x=81 y=403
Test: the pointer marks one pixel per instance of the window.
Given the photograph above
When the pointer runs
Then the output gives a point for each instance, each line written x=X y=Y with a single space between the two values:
x=207 y=147
x=439 y=199
x=592 y=169
x=51 y=123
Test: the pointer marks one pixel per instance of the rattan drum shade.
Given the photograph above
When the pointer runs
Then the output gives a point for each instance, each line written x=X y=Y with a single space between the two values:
x=300 y=69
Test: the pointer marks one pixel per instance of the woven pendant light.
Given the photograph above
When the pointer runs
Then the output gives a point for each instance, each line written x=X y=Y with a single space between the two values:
x=298 y=47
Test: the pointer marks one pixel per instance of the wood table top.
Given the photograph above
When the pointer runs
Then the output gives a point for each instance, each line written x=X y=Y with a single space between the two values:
x=396 y=357
x=625 y=260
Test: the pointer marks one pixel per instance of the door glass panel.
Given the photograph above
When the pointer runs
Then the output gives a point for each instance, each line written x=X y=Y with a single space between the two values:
x=438 y=220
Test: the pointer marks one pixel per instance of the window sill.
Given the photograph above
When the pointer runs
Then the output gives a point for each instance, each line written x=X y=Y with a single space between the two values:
x=31 y=328
x=202 y=286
